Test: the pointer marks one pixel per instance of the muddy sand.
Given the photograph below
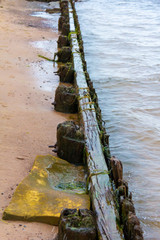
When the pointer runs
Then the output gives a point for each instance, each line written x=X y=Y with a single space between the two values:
x=27 y=85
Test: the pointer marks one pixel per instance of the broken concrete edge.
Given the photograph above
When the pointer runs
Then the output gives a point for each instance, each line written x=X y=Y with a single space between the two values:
x=128 y=219
x=47 y=219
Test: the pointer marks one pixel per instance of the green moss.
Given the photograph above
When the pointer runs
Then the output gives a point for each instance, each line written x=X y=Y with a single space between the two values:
x=78 y=186
x=81 y=222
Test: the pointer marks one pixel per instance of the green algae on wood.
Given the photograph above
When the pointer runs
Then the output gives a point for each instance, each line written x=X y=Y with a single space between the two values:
x=38 y=197
x=100 y=186
x=77 y=225
x=66 y=99
x=70 y=142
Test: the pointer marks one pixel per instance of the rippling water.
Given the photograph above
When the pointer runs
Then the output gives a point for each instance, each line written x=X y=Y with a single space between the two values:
x=122 y=47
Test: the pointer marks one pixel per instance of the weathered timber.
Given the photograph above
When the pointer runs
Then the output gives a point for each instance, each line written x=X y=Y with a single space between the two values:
x=60 y=22
x=64 y=10
x=65 y=29
x=70 y=142
x=63 y=41
x=132 y=229
x=66 y=100
x=66 y=73
x=63 y=5
x=64 y=54
x=100 y=189
x=127 y=206
x=77 y=225
x=116 y=170
x=131 y=224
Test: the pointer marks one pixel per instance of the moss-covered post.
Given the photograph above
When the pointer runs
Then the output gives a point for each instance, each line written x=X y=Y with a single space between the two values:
x=77 y=225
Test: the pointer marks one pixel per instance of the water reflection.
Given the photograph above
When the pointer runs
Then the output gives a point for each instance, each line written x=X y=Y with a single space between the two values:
x=121 y=40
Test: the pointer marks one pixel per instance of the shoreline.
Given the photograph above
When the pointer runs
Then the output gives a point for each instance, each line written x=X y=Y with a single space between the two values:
x=27 y=123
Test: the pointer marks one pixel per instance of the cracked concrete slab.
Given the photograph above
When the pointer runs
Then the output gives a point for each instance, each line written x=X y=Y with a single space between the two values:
x=52 y=184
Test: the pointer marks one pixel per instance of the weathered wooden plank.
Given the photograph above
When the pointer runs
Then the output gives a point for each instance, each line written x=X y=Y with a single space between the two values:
x=100 y=188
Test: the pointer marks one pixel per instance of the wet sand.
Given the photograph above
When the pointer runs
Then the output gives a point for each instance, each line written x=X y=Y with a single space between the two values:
x=27 y=120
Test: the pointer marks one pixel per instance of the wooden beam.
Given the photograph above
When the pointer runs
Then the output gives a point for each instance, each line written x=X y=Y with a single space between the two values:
x=99 y=183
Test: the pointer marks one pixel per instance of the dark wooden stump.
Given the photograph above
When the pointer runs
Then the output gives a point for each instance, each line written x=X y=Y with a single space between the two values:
x=63 y=3
x=66 y=100
x=127 y=206
x=122 y=190
x=66 y=73
x=116 y=170
x=60 y=22
x=64 y=6
x=132 y=228
x=64 y=54
x=70 y=142
x=63 y=41
x=65 y=29
x=77 y=225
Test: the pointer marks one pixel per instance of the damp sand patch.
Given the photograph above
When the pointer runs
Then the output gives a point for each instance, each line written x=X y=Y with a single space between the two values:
x=53 y=184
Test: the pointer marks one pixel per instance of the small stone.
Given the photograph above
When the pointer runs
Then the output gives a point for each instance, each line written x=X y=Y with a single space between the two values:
x=20 y=158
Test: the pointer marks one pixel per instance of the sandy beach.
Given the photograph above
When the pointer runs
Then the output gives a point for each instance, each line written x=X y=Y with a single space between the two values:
x=27 y=120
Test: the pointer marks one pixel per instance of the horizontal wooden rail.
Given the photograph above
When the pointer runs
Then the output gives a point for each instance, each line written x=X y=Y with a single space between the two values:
x=99 y=183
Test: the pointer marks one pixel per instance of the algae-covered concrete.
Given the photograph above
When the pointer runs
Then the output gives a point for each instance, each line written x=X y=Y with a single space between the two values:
x=53 y=184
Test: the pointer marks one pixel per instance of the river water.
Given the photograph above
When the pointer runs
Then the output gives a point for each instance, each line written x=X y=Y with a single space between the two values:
x=122 y=48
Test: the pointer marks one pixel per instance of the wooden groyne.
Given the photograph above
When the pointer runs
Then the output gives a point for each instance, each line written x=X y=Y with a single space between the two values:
x=100 y=188
x=110 y=198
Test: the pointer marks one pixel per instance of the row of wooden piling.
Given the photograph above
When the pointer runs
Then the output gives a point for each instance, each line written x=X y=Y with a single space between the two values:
x=70 y=98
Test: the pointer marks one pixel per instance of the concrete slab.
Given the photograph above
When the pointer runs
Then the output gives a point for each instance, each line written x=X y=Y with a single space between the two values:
x=53 y=184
